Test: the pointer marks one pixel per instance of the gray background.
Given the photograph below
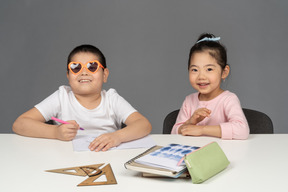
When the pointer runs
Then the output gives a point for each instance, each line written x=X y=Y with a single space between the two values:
x=146 y=44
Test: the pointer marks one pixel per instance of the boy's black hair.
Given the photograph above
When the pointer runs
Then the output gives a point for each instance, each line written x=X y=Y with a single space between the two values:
x=86 y=48
x=214 y=48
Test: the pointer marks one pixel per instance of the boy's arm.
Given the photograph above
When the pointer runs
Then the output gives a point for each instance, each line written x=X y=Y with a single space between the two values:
x=32 y=124
x=137 y=127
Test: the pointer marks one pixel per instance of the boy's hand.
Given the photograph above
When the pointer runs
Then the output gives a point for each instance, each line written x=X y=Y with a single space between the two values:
x=67 y=132
x=105 y=142
x=199 y=115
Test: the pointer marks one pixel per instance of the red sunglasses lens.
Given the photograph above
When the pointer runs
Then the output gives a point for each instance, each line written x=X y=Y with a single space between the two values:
x=75 y=67
x=92 y=66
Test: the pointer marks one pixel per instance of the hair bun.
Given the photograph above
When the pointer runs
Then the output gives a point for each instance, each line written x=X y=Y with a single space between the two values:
x=208 y=35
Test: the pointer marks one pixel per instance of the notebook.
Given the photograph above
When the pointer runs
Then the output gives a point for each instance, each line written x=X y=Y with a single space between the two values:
x=161 y=160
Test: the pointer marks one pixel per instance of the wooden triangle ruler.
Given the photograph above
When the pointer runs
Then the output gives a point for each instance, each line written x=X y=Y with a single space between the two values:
x=92 y=180
x=92 y=171
x=80 y=171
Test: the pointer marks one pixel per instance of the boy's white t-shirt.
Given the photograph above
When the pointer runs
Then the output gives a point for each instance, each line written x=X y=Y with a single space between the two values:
x=112 y=111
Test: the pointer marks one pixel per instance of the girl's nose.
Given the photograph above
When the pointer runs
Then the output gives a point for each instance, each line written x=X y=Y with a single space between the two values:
x=201 y=75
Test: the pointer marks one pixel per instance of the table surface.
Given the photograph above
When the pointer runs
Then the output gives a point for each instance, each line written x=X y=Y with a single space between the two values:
x=256 y=164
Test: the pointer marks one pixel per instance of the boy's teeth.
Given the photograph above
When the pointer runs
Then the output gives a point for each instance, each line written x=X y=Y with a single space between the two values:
x=83 y=80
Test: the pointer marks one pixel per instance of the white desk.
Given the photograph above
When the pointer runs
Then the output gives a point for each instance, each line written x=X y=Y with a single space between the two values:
x=257 y=164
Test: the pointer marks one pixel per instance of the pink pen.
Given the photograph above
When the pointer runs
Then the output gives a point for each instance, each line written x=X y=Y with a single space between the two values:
x=61 y=121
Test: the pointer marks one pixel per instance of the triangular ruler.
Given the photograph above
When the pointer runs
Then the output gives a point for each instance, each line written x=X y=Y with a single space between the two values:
x=106 y=171
x=80 y=171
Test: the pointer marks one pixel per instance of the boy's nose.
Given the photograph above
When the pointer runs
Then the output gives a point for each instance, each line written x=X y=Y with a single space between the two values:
x=84 y=71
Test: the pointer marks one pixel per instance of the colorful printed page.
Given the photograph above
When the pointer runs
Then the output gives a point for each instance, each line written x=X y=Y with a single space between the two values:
x=167 y=157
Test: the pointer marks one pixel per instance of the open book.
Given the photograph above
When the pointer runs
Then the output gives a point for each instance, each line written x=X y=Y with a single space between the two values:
x=161 y=160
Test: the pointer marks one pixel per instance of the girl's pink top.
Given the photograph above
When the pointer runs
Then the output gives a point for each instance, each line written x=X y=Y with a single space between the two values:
x=226 y=111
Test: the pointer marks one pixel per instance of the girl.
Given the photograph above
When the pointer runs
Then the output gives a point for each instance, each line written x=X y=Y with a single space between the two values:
x=85 y=103
x=211 y=111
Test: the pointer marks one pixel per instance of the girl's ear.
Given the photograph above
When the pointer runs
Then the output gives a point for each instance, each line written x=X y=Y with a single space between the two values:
x=225 y=72
x=105 y=75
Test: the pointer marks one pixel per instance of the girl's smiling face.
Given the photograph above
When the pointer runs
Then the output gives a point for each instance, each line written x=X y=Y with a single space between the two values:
x=86 y=83
x=205 y=75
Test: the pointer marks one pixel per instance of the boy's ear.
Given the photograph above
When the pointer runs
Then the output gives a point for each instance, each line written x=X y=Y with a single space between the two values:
x=67 y=75
x=225 y=72
x=105 y=75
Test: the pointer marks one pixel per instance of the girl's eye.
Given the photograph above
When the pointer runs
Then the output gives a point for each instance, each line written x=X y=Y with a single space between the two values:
x=194 y=70
x=209 y=69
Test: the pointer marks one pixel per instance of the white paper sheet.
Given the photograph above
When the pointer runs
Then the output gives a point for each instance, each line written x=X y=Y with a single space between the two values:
x=81 y=143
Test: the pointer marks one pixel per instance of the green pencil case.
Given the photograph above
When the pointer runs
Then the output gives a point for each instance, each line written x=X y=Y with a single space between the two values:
x=206 y=162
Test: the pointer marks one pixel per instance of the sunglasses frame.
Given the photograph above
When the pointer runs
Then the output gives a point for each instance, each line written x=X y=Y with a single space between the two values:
x=85 y=66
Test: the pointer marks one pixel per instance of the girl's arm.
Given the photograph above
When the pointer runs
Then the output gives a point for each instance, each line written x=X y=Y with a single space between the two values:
x=234 y=127
x=137 y=127
x=32 y=124
x=183 y=115
x=197 y=130
x=190 y=127
x=237 y=126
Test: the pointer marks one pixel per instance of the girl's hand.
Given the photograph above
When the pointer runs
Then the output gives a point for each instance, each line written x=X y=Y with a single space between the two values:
x=67 y=132
x=199 y=115
x=105 y=142
x=191 y=130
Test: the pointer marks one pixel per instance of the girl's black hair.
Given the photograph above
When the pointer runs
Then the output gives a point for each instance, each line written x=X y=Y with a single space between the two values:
x=214 y=48
x=87 y=49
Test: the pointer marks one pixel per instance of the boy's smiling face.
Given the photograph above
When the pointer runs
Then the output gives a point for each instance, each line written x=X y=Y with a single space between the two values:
x=86 y=83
